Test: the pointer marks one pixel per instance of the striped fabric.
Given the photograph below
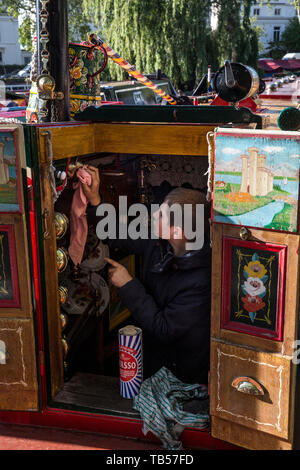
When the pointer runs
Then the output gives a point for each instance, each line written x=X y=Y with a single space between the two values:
x=160 y=403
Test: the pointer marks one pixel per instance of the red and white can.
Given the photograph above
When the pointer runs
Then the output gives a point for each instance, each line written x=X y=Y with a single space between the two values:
x=131 y=360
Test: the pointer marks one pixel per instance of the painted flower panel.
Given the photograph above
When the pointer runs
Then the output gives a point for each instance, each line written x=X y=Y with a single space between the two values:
x=254 y=283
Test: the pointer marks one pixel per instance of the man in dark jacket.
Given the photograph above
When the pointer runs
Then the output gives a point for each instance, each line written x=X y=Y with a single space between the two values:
x=171 y=303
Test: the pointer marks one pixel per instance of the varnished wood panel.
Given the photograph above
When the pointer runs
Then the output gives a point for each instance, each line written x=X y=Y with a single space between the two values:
x=18 y=382
x=155 y=139
x=245 y=437
x=18 y=222
x=97 y=392
x=269 y=413
x=291 y=299
x=158 y=139
x=51 y=284
x=67 y=141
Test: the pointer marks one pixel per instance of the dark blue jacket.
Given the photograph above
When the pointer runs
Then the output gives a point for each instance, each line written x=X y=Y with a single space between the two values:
x=171 y=304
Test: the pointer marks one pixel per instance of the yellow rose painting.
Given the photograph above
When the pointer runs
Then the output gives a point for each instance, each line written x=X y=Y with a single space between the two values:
x=255 y=269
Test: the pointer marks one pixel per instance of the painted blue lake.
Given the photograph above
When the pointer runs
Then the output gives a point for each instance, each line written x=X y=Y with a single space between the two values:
x=259 y=217
x=12 y=171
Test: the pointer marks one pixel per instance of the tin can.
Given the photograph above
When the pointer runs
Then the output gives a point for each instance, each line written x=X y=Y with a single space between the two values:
x=131 y=360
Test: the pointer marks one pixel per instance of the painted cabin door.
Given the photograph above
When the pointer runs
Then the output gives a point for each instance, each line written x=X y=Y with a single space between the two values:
x=253 y=375
x=18 y=367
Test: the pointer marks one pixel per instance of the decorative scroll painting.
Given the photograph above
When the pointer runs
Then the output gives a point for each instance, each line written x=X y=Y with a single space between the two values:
x=10 y=189
x=9 y=284
x=252 y=286
x=256 y=178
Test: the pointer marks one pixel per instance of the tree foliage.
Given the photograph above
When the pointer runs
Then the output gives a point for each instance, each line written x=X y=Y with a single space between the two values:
x=79 y=23
x=236 y=36
x=156 y=34
x=290 y=37
x=172 y=35
x=289 y=41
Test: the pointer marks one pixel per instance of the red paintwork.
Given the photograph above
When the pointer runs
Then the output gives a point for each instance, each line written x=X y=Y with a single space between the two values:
x=282 y=135
x=276 y=64
x=22 y=437
x=279 y=96
x=109 y=425
x=228 y=243
x=37 y=291
x=247 y=103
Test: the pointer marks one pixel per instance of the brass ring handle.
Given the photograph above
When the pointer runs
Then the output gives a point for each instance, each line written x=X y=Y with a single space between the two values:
x=247 y=385
x=245 y=233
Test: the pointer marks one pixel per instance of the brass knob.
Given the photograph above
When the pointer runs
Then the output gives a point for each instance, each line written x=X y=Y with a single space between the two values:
x=45 y=83
x=65 y=346
x=63 y=294
x=63 y=320
x=61 y=224
x=62 y=259
x=245 y=233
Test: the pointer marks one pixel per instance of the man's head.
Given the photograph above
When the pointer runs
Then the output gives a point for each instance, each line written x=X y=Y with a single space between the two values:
x=183 y=216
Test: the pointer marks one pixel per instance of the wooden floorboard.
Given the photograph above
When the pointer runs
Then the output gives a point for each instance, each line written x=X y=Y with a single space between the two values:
x=97 y=392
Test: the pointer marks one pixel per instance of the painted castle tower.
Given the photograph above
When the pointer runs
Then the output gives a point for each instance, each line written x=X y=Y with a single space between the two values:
x=4 y=171
x=257 y=179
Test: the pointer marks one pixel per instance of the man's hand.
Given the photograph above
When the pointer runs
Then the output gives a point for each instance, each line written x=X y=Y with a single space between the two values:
x=92 y=192
x=118 y=274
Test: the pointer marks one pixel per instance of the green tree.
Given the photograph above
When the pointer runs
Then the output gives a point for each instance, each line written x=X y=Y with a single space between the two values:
x=236 y=36
x=155 y=34
x=290 y=37
x=275 y=49
x=25 y=9
x=79 y=23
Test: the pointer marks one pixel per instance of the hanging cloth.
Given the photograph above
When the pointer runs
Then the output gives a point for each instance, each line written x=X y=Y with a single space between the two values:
x=78 y=221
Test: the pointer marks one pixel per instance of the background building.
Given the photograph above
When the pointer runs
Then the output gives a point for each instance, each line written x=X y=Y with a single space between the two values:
x=10 y=49
x=272 y=18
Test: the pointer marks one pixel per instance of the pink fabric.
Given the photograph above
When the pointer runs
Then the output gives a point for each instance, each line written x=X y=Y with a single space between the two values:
x=78 y=222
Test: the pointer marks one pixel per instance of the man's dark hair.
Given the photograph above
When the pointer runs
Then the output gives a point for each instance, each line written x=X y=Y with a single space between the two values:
x=184 y=196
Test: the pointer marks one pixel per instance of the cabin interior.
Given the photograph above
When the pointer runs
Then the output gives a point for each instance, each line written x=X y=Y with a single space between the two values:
x=83 y=323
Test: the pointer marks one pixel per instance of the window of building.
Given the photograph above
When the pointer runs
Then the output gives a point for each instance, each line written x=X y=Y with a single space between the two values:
x=276 y=33
x=277 y=11
x=255 y=11
x=1 y=57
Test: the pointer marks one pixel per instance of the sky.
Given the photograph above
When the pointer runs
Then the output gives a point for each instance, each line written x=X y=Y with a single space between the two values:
x=276 y=150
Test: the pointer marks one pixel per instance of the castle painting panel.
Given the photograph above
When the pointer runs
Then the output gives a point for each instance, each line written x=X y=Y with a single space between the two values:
x=10 y=198
x=256 y=178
